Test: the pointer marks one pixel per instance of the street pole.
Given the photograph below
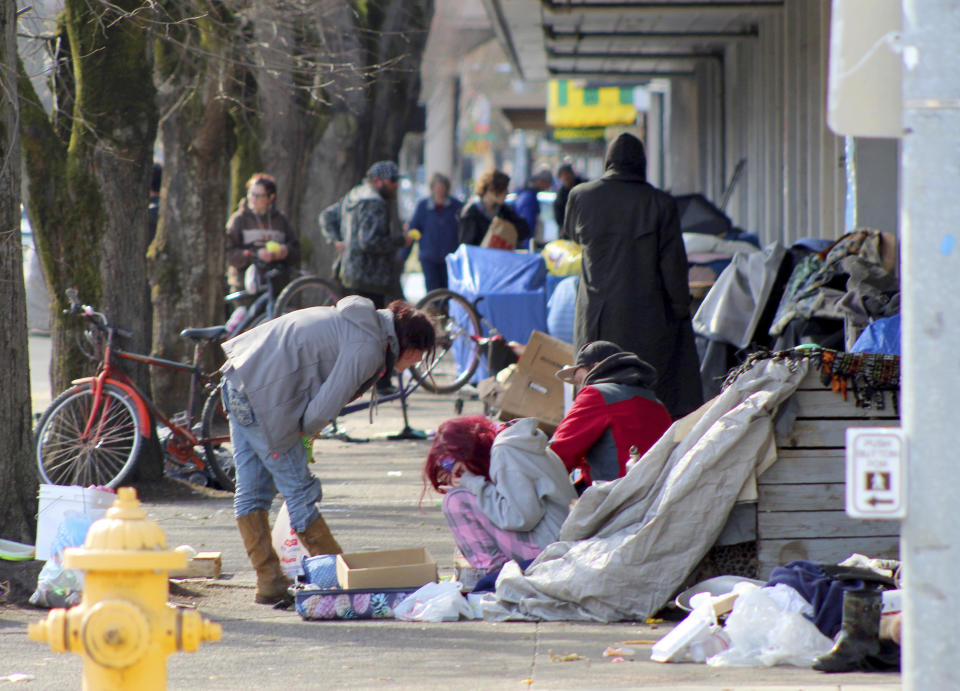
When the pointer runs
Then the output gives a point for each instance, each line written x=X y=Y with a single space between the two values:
x=930 y=223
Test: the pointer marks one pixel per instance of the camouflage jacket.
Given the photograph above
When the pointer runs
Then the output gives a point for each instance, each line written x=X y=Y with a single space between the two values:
x=362 y=220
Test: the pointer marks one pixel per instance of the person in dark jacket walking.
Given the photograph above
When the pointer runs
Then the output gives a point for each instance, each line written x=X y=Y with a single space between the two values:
x=615 y=410
x=568 y=180
x=437 y=217
x=487 y=204
x=633 y=288
x=366 y=230
x=284 y=381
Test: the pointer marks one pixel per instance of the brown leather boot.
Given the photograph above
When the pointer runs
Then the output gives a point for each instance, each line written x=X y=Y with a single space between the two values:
x=272 y=582
x=318 y=539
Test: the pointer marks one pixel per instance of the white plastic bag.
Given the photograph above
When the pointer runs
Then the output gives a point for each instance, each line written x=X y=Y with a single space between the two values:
x=287 y=545
x=435 y=602
x=767 y=627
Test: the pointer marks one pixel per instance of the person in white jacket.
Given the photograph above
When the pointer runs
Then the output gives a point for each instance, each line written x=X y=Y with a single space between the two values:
x=505 y=493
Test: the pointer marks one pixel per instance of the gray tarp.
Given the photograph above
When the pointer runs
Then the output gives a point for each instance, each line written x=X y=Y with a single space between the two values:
x=627 y=545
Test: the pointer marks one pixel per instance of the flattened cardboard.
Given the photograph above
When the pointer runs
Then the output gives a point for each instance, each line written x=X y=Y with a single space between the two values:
x=396 y=568
x=533 y=390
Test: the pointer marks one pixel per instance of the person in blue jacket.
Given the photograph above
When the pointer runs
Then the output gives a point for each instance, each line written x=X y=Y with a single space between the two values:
x=437 y=217
x=526 y=202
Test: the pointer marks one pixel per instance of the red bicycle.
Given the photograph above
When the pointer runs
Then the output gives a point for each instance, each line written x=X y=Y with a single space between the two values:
x=93 y=432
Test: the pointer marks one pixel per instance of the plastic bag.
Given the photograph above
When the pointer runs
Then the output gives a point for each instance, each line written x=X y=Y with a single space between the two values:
x=57 y=586
x=562 y=257
x=287 y=545
x=435 y=602
x=767 y=627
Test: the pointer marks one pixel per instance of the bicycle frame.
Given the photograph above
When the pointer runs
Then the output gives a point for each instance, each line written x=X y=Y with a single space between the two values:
x=108 y=373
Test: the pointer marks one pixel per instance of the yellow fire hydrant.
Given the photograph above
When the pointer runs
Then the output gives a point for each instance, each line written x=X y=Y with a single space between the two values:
x=123 y=627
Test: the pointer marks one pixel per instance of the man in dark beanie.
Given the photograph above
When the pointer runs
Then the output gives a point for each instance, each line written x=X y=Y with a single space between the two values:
x=633 y=287
x=615 y=410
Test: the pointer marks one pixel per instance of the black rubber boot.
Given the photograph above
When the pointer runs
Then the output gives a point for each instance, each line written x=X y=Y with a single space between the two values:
x=859 y=638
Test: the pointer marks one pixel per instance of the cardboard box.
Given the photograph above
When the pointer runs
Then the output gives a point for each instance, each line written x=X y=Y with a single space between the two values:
x=534 y=390
x=396 y=568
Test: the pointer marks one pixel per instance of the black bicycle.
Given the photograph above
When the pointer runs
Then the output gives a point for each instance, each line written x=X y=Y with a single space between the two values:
x=261 y=301
x=460 y=342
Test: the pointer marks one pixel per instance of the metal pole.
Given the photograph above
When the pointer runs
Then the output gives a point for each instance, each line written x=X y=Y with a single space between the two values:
x=930 y=179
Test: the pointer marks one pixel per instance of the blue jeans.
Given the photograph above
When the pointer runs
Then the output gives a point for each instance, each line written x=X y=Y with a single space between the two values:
x=261 y=473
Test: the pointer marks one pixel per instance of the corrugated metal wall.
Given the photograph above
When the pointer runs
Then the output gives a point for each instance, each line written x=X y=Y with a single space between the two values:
x=774 y=115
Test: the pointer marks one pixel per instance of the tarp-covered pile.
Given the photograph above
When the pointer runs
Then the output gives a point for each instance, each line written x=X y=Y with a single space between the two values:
x=627 y=545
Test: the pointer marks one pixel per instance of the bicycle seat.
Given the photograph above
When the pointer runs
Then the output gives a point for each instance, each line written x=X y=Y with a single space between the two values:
x=210 y=333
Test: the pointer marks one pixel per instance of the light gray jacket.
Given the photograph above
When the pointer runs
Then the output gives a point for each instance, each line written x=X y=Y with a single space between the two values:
x=300 y=369
x=529 y=489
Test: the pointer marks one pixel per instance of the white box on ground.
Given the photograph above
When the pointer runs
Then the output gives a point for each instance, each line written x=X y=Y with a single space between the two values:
x=876 y=473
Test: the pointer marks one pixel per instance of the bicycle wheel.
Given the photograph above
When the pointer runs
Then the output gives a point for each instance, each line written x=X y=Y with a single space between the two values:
x=107 y=454
x=457 y=355
x=306 y=291
x=215 y=432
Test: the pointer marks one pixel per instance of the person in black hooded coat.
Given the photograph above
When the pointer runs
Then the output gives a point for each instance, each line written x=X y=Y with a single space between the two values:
x=633 y=288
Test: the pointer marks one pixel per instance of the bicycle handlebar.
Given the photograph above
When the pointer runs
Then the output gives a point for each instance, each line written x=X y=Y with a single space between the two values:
x=98 y=319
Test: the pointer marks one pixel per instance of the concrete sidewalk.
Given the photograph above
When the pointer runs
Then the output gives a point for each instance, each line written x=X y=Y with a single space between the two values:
x=372 y=492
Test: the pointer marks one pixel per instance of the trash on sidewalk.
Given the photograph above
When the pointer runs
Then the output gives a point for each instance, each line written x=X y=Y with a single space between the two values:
x=199 y=564
x=696 y=638
x=568 y=657
x=55 y=501
x=58 y=586
x=767 y=627
x=16 y=551
x=362 y=585
x=287 y=545
x=395 y=568
x=436 y=602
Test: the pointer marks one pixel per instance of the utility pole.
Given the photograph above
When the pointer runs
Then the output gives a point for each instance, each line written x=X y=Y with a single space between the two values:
x=930 y=223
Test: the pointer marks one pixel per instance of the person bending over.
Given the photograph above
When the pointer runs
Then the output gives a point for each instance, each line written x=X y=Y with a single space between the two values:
x=505 y=494
x=615 y=409
x=287 y=379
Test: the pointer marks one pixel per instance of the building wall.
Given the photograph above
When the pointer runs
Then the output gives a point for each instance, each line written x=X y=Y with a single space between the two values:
x=766 y=103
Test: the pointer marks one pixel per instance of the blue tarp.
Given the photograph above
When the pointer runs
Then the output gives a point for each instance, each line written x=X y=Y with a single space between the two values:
x=881 y=336
x=512 y=286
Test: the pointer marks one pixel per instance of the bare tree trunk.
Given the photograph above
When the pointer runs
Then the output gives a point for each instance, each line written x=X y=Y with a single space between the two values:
x=187 y=257
x=18 y=476
x=89 y=200
x=370 y=106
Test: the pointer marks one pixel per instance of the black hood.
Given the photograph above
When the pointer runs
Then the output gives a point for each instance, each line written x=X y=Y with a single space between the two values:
x=626 y=155
x=622 y=368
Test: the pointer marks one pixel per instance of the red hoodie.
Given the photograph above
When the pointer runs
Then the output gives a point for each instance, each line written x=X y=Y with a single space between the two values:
x=612 y=412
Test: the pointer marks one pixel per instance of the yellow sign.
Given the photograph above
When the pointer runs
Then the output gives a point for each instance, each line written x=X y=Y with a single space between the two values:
x=575 y=104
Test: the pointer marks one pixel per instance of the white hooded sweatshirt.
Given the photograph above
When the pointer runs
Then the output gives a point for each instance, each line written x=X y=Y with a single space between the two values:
x=529 y=489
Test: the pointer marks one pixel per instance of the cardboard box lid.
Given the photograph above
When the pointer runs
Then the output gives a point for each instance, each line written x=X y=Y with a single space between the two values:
x=397 y=568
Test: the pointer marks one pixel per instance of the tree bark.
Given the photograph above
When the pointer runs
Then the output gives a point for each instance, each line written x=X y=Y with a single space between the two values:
x=18 y=476
x=355 y=112
x=187 y=256
x=89 y=196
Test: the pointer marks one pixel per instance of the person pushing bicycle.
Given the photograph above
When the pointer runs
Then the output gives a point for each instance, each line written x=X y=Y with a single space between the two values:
x=257 y=230
x=287 y=379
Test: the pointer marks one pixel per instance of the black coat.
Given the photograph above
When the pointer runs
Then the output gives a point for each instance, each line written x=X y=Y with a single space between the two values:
x=633 y=289
x=474 y=223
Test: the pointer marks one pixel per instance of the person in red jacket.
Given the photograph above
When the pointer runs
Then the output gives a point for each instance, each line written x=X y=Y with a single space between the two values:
x=614 y=410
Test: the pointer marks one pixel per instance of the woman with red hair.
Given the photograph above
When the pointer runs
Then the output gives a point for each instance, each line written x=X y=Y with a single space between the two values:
x=505 y=493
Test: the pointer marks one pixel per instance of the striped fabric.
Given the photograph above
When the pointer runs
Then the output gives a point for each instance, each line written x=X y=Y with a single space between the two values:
x=482 y=543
